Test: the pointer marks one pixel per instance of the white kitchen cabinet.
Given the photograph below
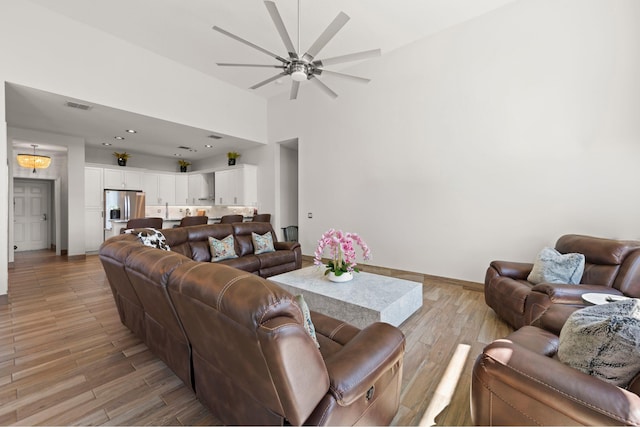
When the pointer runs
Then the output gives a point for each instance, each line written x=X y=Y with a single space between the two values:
x=237 y=186
x=93 y=229
x=93 y=214
x=182 y=189
x=167 y=188
x=117 y=179
x=159 y=188
x=150 y=188
x=93 y=190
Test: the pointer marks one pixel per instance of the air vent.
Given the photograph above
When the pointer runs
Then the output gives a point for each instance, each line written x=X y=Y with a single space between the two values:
x=182 y=147
x=72 y=104
x=214 y=137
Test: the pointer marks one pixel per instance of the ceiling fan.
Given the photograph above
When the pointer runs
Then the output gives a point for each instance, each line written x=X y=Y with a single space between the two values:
x=304 y=67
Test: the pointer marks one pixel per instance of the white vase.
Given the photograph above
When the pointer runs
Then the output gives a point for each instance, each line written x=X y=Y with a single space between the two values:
x=344 y=277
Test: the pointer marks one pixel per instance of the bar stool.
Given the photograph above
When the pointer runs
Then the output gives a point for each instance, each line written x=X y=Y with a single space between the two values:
x=152 y=222
x=193 y=220
x=228 y=219
x=261 y=218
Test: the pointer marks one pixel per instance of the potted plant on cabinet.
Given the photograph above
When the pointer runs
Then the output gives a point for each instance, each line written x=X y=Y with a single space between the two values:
x=232 y=156
x=183 y=165
x=122 y=158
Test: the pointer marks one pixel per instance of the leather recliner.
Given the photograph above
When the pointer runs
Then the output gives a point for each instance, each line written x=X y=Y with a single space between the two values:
x=612 y=266
x=519 y=381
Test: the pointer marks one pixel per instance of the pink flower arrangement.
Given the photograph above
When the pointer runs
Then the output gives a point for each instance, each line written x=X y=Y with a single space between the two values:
x=342 y=251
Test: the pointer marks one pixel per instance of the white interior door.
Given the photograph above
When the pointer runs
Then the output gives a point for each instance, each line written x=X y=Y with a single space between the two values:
x=31 y=213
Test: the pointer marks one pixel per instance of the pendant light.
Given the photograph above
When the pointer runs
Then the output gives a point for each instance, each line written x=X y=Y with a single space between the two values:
x=34 y=161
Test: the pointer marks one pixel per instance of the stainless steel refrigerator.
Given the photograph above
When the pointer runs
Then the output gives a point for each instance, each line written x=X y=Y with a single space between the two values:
x=122 y=205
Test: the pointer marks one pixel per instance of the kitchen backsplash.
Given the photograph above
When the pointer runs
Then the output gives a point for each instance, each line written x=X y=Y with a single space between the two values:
x=177 y=212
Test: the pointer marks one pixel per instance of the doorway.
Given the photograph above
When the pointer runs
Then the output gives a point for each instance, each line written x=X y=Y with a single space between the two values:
x=31 y=214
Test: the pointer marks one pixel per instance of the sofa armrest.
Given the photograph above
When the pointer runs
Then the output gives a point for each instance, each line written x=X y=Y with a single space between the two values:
x=515 y=270
x=354 y=368
x=513 y=384
x=570 y=294
x=285 y=246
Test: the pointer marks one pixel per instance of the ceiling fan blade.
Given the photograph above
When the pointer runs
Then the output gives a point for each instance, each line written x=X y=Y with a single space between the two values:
x=366 y=54
x=226 y=64
x=294 y=89
x=323 y=86
x=282 y=30
x=326 y=36
x=346 y=76
x=248 y=43
x=269 y=80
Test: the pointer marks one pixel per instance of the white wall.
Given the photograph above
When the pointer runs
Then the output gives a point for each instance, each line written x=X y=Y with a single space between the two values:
x=485 y=141
x=46 y=51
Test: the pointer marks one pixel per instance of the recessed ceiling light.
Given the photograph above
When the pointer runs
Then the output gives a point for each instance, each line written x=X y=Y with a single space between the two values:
x=208 y=146
x=131 y=131
x=106 y=144
x=214 y=136
x=119 y=138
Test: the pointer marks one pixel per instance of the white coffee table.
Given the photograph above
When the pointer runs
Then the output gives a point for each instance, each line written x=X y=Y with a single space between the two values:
x=597 y=298
x=366 y=299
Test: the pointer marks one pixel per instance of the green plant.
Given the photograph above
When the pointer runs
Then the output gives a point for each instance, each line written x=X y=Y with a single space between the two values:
x=184 y=163
x=233 y=155
x=124 y=155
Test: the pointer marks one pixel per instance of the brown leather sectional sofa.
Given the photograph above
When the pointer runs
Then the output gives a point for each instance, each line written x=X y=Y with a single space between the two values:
x=612 y=266
x=239 y=341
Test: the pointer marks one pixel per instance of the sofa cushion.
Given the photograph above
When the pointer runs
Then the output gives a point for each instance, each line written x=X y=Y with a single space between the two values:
x=248 y=263
x=272 y=259
x=553 y=267
x=604 y=341
x=262 y=243
x=222 y=249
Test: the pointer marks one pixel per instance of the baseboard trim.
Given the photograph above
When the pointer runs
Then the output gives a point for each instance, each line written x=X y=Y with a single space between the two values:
x=4 y=299
x=410 y=275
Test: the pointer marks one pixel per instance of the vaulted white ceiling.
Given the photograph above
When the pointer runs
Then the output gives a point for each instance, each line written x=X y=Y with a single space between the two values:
x=181 y=30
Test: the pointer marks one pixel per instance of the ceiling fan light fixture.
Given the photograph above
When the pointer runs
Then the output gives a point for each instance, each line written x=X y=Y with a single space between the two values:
x=299 y=76
x=298 y=72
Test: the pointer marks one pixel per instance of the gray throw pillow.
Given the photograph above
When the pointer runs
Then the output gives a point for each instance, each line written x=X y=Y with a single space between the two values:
x=308 y=324
x=553 y=267
x=604 y=341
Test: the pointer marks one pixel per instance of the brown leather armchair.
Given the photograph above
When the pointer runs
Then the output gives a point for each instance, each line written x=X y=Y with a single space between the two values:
x=517 y=381
x=612 y=266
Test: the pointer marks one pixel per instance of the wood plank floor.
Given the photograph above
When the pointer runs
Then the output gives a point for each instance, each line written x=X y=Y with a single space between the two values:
x=65 y=358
